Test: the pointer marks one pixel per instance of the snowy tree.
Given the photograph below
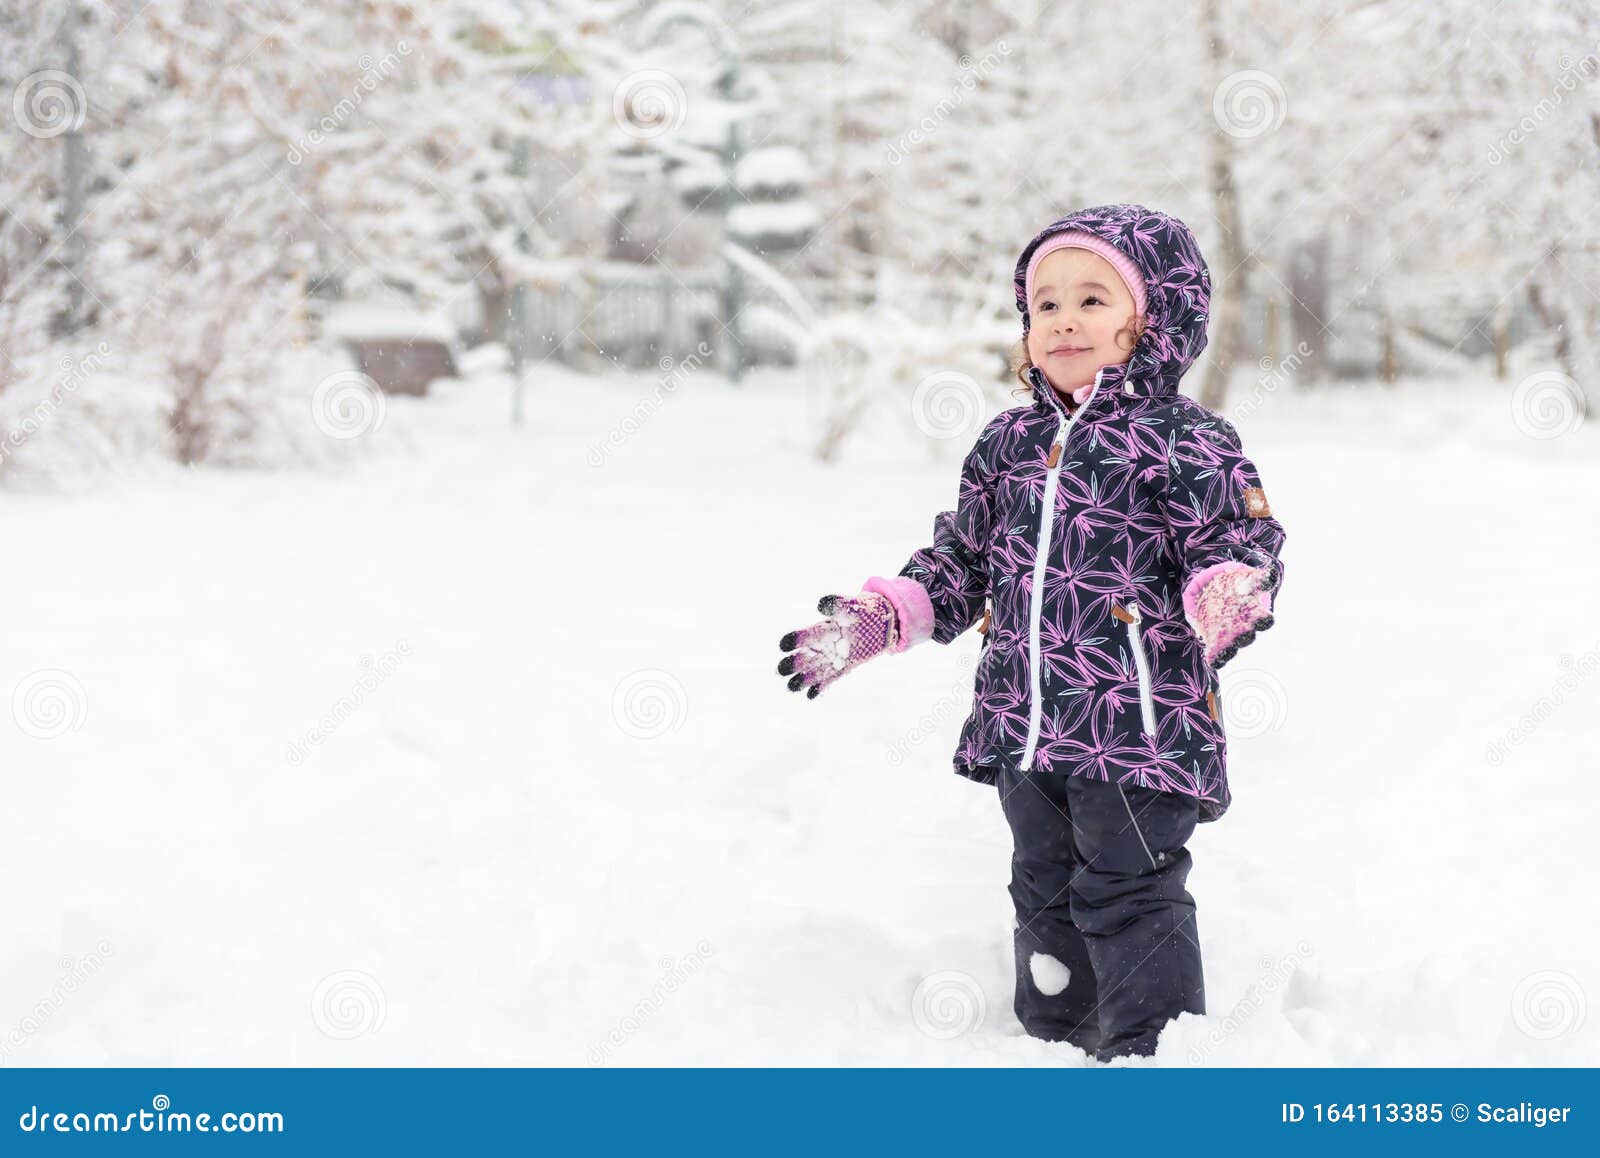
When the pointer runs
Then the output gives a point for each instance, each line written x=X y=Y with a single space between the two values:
x=241 y=157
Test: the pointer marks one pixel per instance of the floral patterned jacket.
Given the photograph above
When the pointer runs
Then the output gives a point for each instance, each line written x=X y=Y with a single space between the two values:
x=1074 y=537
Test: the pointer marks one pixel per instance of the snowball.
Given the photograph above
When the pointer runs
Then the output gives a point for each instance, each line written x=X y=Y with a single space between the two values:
x=1050 y=976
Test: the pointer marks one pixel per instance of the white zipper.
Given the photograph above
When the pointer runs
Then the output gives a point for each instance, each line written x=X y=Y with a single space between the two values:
x=1040 y=560
x=1147 y=707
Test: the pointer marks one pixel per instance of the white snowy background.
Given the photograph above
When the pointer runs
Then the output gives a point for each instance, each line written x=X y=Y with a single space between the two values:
x=344 y=727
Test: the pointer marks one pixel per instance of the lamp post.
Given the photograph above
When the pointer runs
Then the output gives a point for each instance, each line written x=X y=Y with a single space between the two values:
x=74 y=182
x=656 y=21
x=556 y=86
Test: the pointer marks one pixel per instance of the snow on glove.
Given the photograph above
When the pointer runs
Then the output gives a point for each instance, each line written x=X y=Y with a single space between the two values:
x=1226 y=605
x=888 y=615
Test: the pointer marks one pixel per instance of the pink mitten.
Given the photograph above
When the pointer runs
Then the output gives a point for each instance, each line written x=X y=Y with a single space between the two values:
x=889 y=615
x=1227 y=604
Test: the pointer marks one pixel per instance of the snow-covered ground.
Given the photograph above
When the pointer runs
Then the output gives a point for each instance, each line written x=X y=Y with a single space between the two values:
x=568 y=813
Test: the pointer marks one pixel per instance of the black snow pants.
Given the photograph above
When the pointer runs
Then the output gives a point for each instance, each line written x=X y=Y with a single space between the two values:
x=1107 y=950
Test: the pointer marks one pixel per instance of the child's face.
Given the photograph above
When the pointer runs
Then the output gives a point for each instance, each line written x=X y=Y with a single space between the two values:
x=1079 y=304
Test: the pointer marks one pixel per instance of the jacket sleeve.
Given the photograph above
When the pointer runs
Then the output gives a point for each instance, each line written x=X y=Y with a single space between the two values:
x=1217 y=509
x=954 y=568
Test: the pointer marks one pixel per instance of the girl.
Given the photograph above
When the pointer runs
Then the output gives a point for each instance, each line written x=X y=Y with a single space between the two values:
x=1119 y=547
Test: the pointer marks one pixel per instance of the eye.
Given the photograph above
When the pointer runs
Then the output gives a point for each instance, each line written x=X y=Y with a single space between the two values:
x=1092 y=298
x=1045 y=306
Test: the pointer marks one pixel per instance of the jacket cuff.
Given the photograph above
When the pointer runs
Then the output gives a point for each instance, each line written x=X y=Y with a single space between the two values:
x=912 y=607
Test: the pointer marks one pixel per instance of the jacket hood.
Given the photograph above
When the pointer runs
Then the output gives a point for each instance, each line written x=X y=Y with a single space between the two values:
x=1177 y=284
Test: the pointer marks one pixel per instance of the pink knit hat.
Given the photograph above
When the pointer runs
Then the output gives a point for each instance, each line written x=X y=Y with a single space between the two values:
x=1079 y=239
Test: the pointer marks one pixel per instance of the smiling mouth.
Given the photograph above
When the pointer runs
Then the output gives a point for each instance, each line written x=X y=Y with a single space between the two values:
x=1070 y=350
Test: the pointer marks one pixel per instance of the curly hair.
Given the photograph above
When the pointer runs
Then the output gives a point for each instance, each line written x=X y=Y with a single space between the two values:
x=1021 y=363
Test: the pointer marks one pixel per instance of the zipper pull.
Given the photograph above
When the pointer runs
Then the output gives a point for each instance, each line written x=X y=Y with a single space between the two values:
x=983 y=628
x=1055 y=455
x=1121 y=613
